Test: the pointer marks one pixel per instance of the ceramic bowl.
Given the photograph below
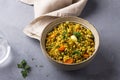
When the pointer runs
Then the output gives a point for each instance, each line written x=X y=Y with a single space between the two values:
x=54 y=23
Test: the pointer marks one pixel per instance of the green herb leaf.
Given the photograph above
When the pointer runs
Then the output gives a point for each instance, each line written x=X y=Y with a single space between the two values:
x=27 y=68
x=79 y=39
x=77 y=34
x=23 y=63
x=24 y=73
x=76 y=52
x=64 y=34
x=20 y=65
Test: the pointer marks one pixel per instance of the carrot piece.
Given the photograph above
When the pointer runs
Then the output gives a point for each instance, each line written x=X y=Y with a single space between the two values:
x=62 y=48
x=69 y=61
x=52 y=36
x=85 y=55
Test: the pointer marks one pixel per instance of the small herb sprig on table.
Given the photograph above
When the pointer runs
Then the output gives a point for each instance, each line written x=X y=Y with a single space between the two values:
x=25 y=68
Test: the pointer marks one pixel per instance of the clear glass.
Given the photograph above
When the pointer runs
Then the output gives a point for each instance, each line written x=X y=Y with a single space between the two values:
x=4 y=50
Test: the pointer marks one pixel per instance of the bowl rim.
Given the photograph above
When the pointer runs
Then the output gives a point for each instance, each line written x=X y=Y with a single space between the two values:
x=93 y=54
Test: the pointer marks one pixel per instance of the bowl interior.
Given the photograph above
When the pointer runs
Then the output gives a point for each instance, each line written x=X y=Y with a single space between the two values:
x=70 y=19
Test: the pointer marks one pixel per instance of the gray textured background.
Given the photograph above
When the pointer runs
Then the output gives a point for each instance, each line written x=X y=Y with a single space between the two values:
x=104 y=14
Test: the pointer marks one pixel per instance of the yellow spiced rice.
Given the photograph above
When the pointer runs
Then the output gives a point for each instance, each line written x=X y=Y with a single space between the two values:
x=70 y=42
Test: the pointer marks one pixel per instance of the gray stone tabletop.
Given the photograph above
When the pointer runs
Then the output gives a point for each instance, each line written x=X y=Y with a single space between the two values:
x=103 y=14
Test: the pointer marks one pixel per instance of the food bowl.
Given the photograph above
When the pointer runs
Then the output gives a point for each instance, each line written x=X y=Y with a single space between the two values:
x=73 y=66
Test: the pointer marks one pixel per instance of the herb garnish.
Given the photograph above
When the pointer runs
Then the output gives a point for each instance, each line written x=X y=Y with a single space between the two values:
x=64 y=34
x=78 y=35
x=76 y=52
x=25 y=68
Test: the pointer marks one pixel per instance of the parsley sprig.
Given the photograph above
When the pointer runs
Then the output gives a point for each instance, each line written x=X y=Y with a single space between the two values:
x=25 y=68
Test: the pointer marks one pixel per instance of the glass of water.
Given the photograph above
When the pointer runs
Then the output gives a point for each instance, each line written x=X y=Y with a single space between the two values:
x=4 y=50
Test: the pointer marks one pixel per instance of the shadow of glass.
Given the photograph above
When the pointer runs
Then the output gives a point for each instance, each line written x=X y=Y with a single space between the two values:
x=89 y=9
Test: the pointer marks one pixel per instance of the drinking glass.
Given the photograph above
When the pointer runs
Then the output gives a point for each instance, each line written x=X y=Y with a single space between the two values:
x=4 y=50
